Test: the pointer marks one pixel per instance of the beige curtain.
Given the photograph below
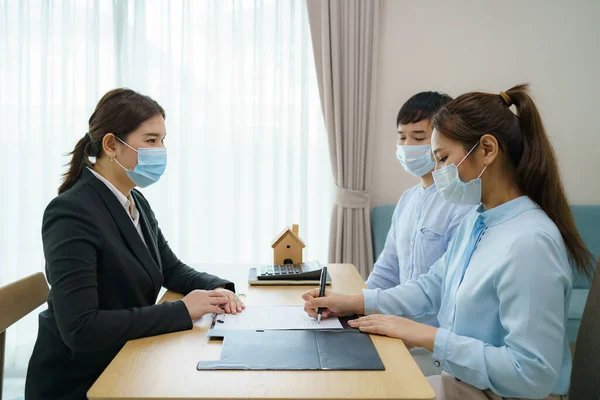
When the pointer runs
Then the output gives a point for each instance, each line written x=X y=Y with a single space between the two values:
x=345 y=41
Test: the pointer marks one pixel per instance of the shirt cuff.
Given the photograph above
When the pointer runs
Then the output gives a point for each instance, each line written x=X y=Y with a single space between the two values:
x=181 y=316
x=370 y=301
x=440 y=347
x=224 y=284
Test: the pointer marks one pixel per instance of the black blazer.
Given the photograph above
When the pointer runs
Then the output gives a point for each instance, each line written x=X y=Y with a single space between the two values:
x=104 y=285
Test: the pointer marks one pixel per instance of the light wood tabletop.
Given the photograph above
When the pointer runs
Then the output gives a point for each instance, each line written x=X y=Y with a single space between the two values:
x=164 y=367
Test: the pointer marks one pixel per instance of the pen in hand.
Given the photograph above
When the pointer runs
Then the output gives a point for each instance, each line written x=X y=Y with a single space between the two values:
x=322 y=291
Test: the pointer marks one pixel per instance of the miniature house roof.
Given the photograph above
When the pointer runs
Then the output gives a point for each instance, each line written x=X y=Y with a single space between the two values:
x=284 y=234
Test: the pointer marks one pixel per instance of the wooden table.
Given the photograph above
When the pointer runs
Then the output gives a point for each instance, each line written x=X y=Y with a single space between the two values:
x=164 y=367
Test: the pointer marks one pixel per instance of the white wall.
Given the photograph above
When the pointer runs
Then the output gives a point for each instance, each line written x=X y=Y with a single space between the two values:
x=459 y=46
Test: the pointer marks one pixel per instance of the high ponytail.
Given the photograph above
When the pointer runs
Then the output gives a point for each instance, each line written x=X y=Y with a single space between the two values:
x=523 y=140
x=79 y=160
x=120 y=112
x=538 y=176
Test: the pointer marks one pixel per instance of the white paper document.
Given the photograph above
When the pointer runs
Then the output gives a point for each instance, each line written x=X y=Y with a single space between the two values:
x=273 y=318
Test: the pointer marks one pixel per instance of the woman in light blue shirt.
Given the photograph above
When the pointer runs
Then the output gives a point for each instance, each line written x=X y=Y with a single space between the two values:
x=502 y=290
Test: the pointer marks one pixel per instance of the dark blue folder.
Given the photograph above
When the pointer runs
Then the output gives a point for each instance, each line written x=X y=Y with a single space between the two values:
x=296 y=350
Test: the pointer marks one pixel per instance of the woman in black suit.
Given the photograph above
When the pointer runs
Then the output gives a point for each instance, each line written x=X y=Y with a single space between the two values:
x=106 y=257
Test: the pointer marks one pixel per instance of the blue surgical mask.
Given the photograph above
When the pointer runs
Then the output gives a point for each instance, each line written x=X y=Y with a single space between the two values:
x=151 y=164
x=453 y=189
x=415 y=159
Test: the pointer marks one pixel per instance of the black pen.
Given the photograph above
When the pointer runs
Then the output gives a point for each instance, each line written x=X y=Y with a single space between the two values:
x=322 y=291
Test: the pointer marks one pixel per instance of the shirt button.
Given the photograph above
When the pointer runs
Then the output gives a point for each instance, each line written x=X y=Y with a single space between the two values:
x=437 y=363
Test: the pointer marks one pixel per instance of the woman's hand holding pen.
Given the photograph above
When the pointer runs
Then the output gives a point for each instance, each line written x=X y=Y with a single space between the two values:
x=338 y=305
x=333 y=304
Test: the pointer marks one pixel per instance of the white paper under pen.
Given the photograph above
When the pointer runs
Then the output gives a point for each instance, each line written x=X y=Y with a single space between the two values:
x=274 y=317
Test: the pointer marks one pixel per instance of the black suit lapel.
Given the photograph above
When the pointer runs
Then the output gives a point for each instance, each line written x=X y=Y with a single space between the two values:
x=149 y=235
x=128 y=230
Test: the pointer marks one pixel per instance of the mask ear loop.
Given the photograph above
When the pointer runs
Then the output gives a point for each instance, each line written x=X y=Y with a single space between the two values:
x=126 y=144
x=470 y=151
x=120 y=165
x=482 y=171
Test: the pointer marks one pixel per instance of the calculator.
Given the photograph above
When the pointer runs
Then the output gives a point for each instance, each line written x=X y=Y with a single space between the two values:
x=308 y=273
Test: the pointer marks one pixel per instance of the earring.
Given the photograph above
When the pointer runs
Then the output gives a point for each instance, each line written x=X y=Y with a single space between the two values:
x=111 y=159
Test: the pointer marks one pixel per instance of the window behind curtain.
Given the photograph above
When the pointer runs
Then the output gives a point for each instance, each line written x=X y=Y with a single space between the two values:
x=246 y=143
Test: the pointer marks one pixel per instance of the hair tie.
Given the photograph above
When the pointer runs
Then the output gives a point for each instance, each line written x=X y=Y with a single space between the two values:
x=506 y=99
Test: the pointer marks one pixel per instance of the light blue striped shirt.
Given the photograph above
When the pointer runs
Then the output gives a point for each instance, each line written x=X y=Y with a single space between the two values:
x=423 y=224
x=501 y=294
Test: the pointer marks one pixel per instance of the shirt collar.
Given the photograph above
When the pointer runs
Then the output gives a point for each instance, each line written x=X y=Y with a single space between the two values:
x=126 y=202
x=428 y=189
x=506 y=211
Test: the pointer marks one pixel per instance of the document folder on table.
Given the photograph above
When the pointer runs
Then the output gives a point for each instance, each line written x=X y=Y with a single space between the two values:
x=262 y=318
x=296 y=350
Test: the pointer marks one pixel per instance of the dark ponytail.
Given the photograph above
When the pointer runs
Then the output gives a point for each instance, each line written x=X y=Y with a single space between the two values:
x=120 y=112
x=538 y=176
x=79 y=160
x=523 y=139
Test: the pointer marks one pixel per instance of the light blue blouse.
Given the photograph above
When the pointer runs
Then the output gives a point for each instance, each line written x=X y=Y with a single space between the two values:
x=501 y=294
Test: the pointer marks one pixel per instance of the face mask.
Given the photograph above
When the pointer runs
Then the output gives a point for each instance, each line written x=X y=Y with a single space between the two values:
x=415 y=159
x=453 y=189
x=151 y=164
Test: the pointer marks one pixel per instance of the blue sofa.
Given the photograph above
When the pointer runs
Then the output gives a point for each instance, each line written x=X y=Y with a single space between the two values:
x=587 y=219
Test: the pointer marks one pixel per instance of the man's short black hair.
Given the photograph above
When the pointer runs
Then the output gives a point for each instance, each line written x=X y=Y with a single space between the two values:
x=421 y=106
